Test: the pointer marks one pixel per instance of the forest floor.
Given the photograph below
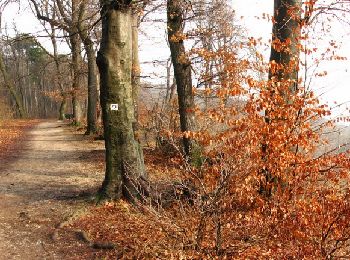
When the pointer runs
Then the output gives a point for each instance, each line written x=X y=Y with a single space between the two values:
x=45 y=181
x=49 y=176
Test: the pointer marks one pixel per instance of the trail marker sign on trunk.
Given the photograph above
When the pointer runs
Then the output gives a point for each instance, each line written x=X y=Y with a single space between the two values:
x=114 y=107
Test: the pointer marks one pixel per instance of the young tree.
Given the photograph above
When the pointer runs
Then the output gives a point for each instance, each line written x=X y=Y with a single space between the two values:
x=182 y=69
x=124 y=161
x=84 y=32
x=283 y=69
x=59 y=78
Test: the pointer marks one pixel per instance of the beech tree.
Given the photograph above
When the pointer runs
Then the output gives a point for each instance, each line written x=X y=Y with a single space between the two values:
x=182 y=69
x=67 y=19
x=75 y=45
x=125 y=171
x=59 y=73
x=283 y=68
x=285 y=45
x=85 y=28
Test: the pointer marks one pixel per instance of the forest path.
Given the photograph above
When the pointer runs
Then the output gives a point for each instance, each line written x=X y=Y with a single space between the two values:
x=44 y=185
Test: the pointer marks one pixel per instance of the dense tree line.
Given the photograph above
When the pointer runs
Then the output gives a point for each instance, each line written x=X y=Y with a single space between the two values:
x=29 y=75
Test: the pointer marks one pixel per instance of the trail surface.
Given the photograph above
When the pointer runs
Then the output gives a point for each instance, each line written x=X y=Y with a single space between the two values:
x=46 y=182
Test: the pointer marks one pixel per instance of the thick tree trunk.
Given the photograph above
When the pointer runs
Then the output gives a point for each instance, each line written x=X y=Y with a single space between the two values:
x=9 y=85
x=124 y=163
x=284 y=58
x=135 y=63
x=284 y=67
x=182 y=69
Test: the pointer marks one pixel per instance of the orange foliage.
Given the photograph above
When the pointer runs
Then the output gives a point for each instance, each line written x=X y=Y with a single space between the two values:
x=11 y=134
x=306 y=215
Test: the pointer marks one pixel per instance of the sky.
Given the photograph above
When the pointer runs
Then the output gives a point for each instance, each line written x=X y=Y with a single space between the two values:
x=20 y=17
x=333 y=87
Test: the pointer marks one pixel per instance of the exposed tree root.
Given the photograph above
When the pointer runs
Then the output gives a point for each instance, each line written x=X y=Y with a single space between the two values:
x=163 y=194
x=82 y=235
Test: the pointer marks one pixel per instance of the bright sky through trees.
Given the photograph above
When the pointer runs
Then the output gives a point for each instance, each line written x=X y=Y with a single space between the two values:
x=334 y=86
x=153 y=47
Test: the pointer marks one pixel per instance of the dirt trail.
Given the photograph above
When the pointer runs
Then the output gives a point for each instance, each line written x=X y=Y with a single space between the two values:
x=41 y=188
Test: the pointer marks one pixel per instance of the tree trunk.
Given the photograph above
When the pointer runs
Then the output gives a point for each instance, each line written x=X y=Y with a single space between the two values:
x=284 y=67
x=135 y=77
x=285 y=45
x=168 y=82
x=124 y=162
x=76 y=86
x=182 y=69
x=63 y=108
x=92 y=71
x=92 y=90
x=75 y=42
x=135 y=63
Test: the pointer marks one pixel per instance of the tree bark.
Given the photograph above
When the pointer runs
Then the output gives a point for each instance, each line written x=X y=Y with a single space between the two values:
x=135 y=63
x=285 y=44
x=76 y=85
x=168 y=81
x=92 y=71
x=76 y=63
x=124 y=163
x=63 y=108
x=182 y=69
x=92 y=90
x=284 y=67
